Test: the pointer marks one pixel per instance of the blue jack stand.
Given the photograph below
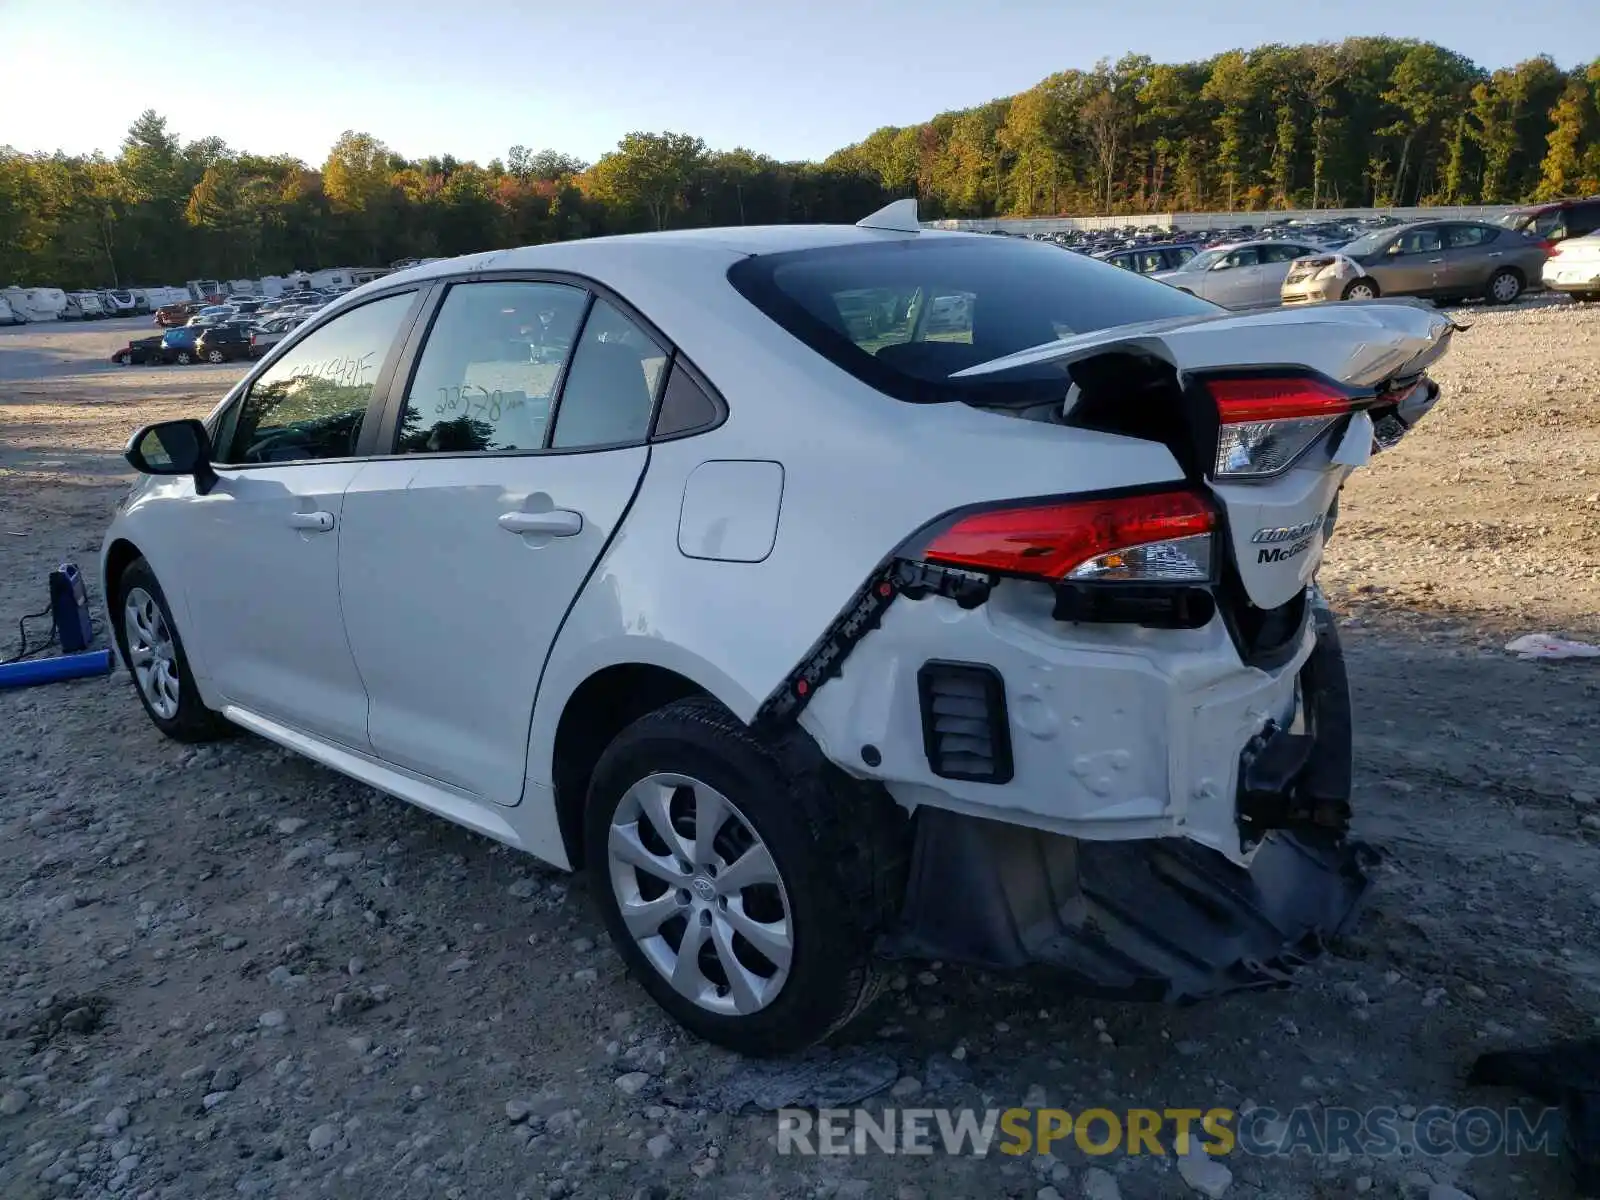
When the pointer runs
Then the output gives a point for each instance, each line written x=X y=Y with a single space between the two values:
x=50 y=670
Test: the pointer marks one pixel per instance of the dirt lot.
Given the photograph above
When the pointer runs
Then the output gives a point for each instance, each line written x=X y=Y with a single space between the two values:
x=228 y=971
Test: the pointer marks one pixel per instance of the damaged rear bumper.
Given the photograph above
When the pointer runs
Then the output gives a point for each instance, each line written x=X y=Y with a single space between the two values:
x=1162 y=918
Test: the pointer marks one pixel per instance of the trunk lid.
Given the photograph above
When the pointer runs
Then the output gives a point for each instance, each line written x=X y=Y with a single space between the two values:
x=1277 y=520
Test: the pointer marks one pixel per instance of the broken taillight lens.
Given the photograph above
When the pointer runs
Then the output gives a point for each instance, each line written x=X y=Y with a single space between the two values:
x=1266 y=422
x=1149 y=537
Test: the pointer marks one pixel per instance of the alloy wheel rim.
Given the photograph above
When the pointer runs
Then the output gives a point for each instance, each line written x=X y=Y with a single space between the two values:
x=151 y=652
x=700 y=894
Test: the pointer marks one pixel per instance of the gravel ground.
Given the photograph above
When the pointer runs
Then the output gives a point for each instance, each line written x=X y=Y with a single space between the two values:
x=228 y=971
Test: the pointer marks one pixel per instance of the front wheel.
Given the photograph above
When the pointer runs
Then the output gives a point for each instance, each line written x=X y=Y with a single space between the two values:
x=184 y=358
x=213 y=356
x=1361 y=289
x=1504 y=287
x=148 y=638
x=124 y=359
x=743 y=879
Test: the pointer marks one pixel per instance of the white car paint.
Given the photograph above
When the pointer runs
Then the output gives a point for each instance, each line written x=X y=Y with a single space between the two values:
x=1574 y=265
x=381 y=617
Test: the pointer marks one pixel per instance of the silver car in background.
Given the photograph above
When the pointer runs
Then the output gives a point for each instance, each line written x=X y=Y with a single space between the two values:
x=1441 y=260
x=1238 y=275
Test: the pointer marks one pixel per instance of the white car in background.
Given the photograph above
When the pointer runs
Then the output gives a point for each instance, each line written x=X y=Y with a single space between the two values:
x=1574 y=267
x=816 y=635
x=1238 y=275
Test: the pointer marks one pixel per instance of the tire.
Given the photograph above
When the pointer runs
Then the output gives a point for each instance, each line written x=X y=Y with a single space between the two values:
x=826 y=856
x=1505 y=285
x=124 y=360
x=184 y=358
x=1586 y=297
x=1361 y=289
x=147 y=634
x=214 y=356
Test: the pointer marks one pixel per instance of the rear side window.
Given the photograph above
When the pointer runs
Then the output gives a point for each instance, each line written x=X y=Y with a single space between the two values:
x=1583 y=219
x=611 y=389
x=1462 y=237
x=486 y=378
x=869 y=307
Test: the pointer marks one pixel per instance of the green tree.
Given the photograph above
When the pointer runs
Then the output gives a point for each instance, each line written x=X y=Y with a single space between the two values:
x=650 y=172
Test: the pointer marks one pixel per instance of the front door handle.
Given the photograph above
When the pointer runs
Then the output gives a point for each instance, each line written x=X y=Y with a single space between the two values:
x=1495 y=253
x=558 y=522
x=318 y=522
x=1436 y=261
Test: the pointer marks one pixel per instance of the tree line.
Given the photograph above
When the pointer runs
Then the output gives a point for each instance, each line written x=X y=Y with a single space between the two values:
x=1363 y=122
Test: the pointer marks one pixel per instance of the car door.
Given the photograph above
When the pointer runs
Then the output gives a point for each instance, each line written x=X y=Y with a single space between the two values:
x=1412 y=263
x=1472 y=253
x=518 y=440
x=263 y=584
x=1235 y=280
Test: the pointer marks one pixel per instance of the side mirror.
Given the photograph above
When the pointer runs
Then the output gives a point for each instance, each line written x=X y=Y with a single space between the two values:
x=173 y=448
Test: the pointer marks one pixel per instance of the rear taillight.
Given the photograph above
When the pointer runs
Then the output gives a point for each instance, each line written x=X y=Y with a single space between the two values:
x=1152 y=537
x=1266 y=422
x=1552 y=251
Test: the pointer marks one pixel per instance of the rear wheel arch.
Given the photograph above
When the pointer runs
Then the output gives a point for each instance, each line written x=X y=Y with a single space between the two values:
x=598 y=709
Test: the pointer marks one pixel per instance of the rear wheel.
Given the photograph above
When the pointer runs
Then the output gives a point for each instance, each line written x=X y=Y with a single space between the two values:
x=1505 y=285
x=154 y=653
x=744 y=880
x=184 y=358
x=1361 y=289
x=214 y=356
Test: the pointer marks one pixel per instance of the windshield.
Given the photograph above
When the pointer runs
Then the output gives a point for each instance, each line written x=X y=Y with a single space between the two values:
x=1367 y=243
x=906 y=315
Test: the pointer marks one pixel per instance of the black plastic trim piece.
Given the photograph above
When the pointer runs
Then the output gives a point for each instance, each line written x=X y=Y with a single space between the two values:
x=995 y=716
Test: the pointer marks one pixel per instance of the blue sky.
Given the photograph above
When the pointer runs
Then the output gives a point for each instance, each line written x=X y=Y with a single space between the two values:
x=795 y=80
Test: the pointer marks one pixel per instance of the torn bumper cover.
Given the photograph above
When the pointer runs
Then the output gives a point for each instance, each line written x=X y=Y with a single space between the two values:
x=1158 y=919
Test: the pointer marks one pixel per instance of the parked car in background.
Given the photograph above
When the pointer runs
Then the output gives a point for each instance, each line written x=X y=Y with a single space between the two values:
x=177 y=345
x=1150 y=260
x=1574 y=267
x=9 y=315
x=224 y=343
x=146 y=350
x=1557 y=220
x=269 y=333
x=1242 y=275
x=1439 y=260
x=213 y=314
x=1105 y=732
x=177 y=314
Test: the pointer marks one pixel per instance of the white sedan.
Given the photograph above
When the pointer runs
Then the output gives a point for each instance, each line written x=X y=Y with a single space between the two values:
x=1574 y=267
x=1238 y=275
x=829 y=594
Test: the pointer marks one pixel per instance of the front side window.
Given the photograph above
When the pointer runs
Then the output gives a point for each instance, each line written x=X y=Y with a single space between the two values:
x=310 y=404
x=1248 y=257
x=1281 y=252
x=486 y=378
x=610 y=390
x=1418 y=241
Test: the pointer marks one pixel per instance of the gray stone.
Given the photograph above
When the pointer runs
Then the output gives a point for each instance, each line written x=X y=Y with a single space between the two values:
x=1100 y=1184
x=117 y=1119
x=322 y=1137
x=273 y=1018
x=288 y=826
x=632 y=1083
x=586 y=975
x=905 y=1087
x=212 y=1099
x=1443 y=1191
x=232 y=942
x=1204 y=1174
x=517 y=1111
x=659 y=1146
x=341 y=859
x=523 y=888
x=1047 y=1193
x=13 y=1102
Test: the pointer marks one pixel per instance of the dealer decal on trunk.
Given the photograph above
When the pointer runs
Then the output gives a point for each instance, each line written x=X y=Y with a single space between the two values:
x=1273 y=538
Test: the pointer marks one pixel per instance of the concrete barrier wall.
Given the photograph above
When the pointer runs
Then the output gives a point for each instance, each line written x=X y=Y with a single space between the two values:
x=1181 y=222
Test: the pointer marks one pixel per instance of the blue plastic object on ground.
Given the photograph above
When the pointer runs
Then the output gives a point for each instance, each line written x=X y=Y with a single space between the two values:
x=50 y=670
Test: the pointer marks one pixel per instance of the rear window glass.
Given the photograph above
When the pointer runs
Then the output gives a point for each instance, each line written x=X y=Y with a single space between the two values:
x=906 y=315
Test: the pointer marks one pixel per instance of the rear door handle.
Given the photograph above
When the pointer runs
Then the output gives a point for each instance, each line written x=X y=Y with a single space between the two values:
x=1495 y=253
x=319 y=522
x=1436 y=260
x=558 y=522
